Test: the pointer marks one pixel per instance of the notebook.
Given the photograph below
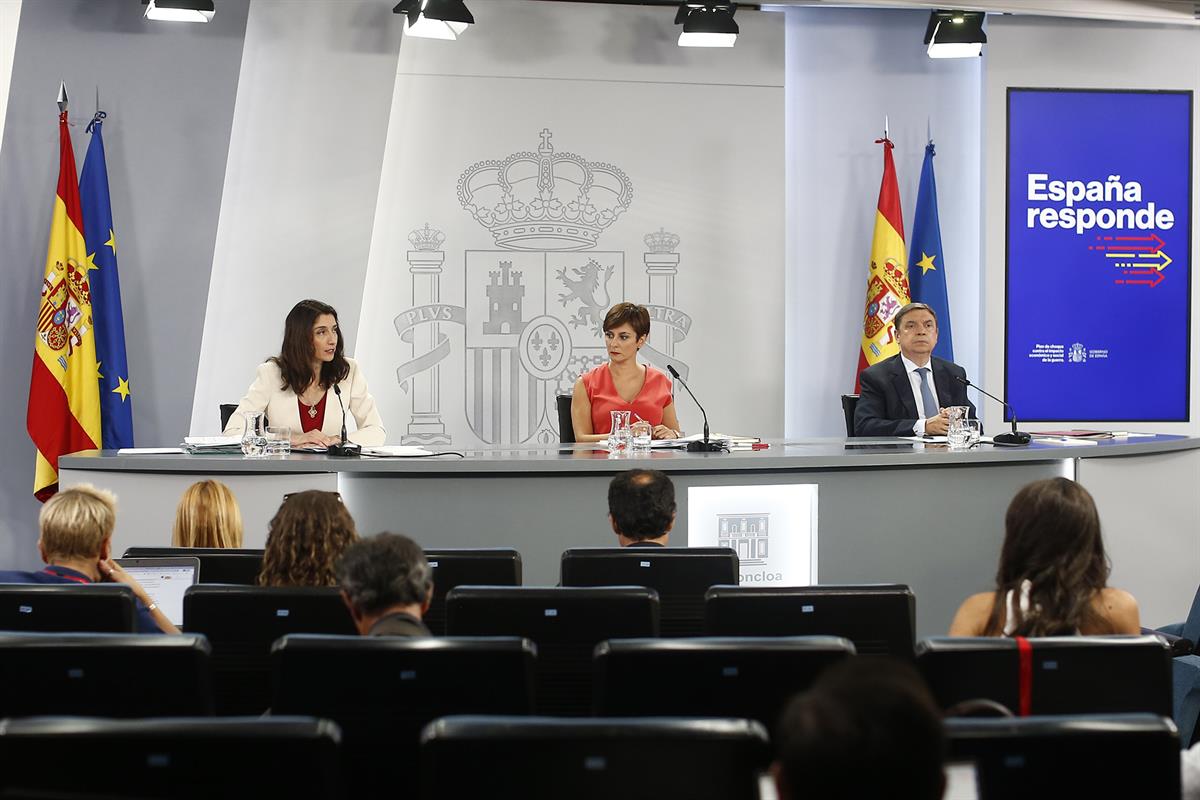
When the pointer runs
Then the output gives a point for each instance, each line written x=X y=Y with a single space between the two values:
x=165 y=580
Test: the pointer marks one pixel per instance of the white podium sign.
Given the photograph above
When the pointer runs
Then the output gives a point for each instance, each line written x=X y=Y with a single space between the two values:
x=773 y=529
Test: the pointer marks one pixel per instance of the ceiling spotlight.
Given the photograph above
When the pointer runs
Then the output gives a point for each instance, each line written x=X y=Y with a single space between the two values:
x=955 y=34
x=180 y=10
x=707 y=24
x=434 y=19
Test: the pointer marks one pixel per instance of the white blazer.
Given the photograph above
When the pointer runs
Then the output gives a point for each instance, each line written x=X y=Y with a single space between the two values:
x=282 y=408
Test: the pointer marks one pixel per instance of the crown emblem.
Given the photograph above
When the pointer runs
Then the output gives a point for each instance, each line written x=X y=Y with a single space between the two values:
x=545 y=200
x=661 y=242
x=427 y=239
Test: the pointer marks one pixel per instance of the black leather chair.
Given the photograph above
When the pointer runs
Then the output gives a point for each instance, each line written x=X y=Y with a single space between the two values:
x=566 y=429
x=712 y=677
x=1068 y=674
x=849 y=403
x=241 y=623
x=564 y=623
x=461 y=566
x=198 y=758
x=67 y=608
x=226 y=410
x=381 y=691
x=1051 y=758
x=879 y=618
x=680 y=575
x=217 y=564
x=104 y=675
x=593 y=759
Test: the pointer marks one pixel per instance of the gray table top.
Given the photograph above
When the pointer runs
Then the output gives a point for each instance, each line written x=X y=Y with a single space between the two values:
x=781 y=455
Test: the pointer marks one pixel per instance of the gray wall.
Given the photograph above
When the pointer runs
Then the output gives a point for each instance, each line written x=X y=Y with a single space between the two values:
x=169 y=91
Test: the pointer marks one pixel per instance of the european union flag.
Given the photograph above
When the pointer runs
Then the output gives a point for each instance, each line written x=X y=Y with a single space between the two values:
x=926 y=268
x=116 y=409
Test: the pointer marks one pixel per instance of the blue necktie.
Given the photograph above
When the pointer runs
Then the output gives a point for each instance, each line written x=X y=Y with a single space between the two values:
x=927 y=400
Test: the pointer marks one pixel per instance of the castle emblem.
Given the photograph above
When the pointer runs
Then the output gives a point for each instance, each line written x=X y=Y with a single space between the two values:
x=747 y=534
x=65 y=294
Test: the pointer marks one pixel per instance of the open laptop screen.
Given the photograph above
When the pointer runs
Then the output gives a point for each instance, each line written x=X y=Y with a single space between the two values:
x=165 y=580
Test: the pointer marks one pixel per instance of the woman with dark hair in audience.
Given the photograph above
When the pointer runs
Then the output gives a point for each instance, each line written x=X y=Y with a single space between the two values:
x=1053 y=573
x=623 y=384
x=207 y=516
x=306 y=538
x=293 y=387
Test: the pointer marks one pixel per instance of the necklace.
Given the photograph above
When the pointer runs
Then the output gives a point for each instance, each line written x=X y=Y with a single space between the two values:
x=312 y=410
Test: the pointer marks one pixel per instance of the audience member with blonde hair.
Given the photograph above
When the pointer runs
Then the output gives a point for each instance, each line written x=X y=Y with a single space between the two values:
x=306 y=538
x=76 y=544
x=207 y=516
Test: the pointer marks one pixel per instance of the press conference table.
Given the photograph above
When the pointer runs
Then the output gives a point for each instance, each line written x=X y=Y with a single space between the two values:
x=888 y=511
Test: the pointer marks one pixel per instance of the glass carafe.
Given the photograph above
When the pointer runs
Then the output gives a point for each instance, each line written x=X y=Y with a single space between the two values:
x=254 y=439
x=619 y=436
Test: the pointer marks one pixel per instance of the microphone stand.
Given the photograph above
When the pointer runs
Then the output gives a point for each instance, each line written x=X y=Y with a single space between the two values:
x=1016 y=437
x=343 y=449
x=704 y=446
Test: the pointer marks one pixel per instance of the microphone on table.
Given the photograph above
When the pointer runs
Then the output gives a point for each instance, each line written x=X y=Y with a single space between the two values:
x=704 y=446
x=1016 y=437
x=343 y=448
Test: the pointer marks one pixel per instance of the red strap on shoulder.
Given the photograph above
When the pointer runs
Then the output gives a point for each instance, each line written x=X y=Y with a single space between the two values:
x=1024 y=676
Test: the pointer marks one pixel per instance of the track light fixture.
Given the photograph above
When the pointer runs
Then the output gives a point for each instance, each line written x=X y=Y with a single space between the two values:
x=955 y=34
x=434 y=19
x=707 y=24
x=180 y=10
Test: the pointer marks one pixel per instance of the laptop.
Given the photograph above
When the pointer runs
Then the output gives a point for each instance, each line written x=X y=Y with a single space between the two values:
x=165 y=580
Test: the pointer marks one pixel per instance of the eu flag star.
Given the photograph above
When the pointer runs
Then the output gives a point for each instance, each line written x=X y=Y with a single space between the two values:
x=926 y=262
x=112 y=241
x=122 y=389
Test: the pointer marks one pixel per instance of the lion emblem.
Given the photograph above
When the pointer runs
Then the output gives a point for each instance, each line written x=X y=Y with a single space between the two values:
x=591 y=293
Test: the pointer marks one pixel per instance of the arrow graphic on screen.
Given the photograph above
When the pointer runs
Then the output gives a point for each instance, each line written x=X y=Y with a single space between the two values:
x=1158 y=265
x=1127 y=243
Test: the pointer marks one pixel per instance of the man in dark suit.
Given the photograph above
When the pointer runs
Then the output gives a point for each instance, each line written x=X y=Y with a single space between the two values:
x=907 y=395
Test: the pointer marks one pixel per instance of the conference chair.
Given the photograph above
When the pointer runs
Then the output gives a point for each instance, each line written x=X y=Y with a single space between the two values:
x=63 y=608
x=849 y=404
x=217 y=564
x=60 y=757
x=680 y=575
x=713 y=677
x=241 y=622
x=104 y=675
x=1055 y=675
x=565 y=624
x=382 y=691
x=1078 y=756
x=879 y=618
x=226 y=410
x=460 y=566
x=566 y=428
x=593 y=759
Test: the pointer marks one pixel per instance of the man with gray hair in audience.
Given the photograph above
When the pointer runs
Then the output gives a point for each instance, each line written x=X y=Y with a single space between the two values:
x=387 y=585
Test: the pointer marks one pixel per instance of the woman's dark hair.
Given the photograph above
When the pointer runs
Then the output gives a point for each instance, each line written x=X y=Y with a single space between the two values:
x=637 y=317
x=1051 y=539
x=306 y=538
x=296 y=355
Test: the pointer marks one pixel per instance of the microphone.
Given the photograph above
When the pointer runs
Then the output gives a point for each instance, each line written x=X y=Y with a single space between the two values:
x=1016 y=437
x=343 y=448
x=697 y=447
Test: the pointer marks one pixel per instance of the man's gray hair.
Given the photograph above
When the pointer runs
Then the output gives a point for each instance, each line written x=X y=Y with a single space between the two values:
x=383 y=571
x=909 y=309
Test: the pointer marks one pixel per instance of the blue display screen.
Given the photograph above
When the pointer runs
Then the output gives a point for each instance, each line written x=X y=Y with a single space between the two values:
x=1098 y=255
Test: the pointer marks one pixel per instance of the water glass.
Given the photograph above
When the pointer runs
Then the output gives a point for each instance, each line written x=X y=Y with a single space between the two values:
x=619 y=436
x=957 y=436
x=974 y=431
x=642 y=432
x=279 y=440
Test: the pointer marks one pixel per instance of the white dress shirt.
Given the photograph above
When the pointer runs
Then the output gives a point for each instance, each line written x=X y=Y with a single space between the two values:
x=914 y=381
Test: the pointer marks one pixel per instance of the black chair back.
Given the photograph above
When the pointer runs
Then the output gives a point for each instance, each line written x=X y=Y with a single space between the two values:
x=1066 y=674
x=217 y=565
x=680 y=575
x=381 y=691
x=226 y=410
x=715 y=677
x=79 y=757
x=565 y=624
x=67 y=608
x=241 y=623
x=849 y=404
x=463 y=566
x=593 y=759
x=1051 y=758
x=566 y=428
x=104 y=675
x=879 y=618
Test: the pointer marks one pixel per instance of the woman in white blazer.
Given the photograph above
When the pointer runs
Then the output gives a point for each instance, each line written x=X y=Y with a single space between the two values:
x=293 y=388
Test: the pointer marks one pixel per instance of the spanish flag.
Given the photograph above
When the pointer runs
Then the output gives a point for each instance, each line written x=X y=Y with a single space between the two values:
x=887 y=282
x=64 y=394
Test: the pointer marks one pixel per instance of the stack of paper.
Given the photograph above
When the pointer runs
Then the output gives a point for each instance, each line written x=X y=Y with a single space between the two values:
x=212 y=444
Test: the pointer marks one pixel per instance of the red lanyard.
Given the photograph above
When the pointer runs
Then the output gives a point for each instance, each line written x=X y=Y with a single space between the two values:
x=72 y=578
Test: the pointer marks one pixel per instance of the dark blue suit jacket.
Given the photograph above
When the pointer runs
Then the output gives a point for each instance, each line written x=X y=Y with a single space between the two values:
x=886 y=406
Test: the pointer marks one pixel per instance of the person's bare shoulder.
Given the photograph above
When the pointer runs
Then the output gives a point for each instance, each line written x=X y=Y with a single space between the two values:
x=1121 y=609
x=972 y=615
